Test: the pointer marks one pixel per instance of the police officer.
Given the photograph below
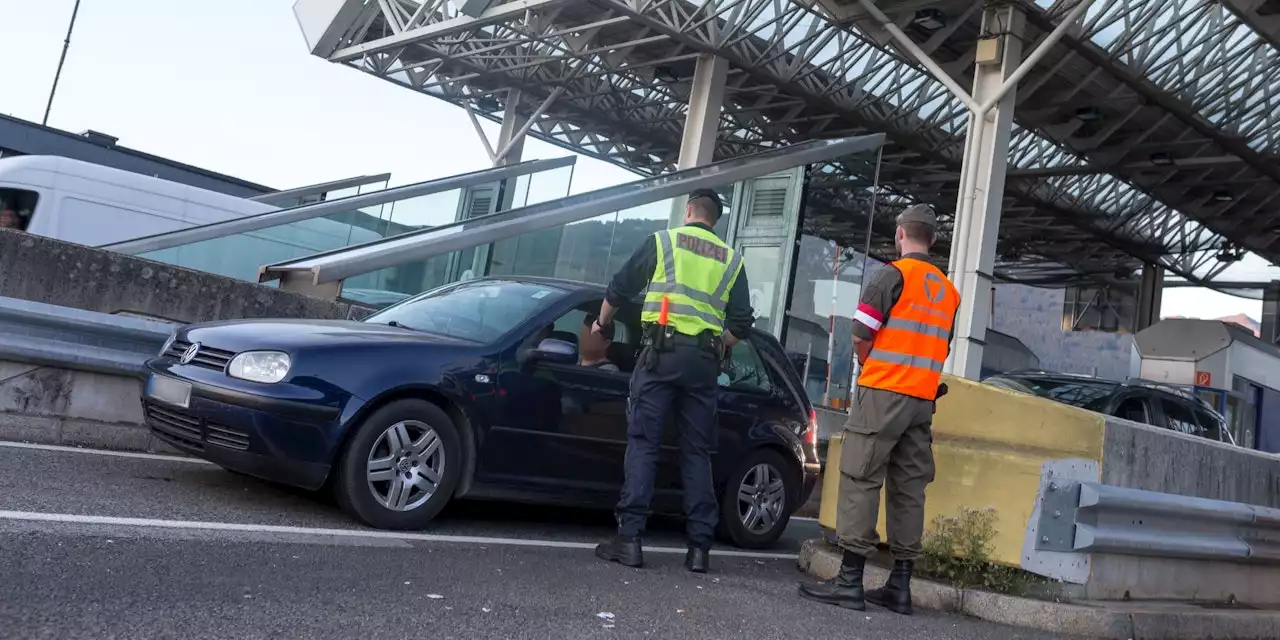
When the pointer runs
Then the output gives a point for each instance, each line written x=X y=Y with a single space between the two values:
x=902 y=334
x=696 y=307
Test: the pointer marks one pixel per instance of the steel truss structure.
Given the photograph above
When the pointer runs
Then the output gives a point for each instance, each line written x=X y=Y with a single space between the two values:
x=1149 y=134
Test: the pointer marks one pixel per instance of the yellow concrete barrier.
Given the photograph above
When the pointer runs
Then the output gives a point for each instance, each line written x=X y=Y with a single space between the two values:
x=989 y=445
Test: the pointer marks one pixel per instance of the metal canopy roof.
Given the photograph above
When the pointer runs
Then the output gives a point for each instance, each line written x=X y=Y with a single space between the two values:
x=1149 y=134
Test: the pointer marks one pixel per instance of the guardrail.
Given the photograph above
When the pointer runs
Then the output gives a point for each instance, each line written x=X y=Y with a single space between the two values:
x=51 y=335
x=1088 y=517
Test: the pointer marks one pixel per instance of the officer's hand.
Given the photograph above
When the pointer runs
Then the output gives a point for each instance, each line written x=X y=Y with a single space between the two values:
x=598 y=328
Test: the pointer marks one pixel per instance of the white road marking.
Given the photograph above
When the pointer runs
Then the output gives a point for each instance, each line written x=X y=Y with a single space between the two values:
x=69 y=518
x=102 y=452
x=804 y=519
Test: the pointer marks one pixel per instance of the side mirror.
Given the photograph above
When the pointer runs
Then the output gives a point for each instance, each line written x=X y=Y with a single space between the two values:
x=552 y=350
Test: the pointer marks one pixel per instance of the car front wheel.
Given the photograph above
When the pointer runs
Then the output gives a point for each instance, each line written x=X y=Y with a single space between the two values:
x=756 y=506
x=401 y=466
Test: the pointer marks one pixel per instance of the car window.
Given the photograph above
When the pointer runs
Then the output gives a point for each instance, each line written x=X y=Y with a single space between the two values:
x=573 y=321
x=477 y=310
x=746 y=371
x=1133 y=408
x=1211 y=425
x=1181 y=418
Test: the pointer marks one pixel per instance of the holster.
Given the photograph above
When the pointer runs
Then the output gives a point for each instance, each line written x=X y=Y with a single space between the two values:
x=942 y=391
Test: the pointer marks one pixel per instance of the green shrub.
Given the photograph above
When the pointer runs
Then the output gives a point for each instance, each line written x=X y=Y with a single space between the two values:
x=957 y=550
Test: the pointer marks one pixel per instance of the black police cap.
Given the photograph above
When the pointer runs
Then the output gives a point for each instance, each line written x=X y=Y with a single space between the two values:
x=711 y=195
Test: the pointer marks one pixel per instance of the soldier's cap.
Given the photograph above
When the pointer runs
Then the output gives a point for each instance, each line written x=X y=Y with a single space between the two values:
x=921 y=213
x=711 y=195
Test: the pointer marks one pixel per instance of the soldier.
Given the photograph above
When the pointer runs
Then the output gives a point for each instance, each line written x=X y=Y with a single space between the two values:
x=695 y=308
x=902 y=334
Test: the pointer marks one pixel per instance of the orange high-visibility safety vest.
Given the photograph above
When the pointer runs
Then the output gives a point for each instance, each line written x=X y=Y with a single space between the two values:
x=909 y=348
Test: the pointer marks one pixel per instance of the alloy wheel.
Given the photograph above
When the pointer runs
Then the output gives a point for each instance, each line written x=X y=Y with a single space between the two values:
x=405 y=465
x=761 y=498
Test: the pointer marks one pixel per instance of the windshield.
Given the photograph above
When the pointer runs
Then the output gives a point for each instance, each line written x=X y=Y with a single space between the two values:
x=479 y=310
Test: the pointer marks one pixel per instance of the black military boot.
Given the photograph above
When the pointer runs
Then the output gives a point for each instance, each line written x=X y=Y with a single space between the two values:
x=698 y=560
x=622 y=550
x=845 y=590
x=895 y=595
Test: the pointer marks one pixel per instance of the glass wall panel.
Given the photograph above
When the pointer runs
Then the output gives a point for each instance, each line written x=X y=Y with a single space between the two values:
x=536 y=254
x=588 y=251
x=241 y=255
x=831 y=265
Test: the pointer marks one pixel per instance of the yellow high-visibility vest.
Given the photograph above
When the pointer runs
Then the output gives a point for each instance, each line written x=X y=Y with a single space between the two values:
x=695 y=271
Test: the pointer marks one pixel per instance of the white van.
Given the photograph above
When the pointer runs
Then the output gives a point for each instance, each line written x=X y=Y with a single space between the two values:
x=93 y=205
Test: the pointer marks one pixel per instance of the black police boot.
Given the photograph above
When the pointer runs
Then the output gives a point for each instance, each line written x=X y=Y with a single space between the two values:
x=698 y=560
x=895 y=595
x=622 y=550
x=845 y=590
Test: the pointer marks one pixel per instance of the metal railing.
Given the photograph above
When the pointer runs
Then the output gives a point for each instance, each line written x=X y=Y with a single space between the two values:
x=50 y=335
x=1088 y=517
x=278 y=197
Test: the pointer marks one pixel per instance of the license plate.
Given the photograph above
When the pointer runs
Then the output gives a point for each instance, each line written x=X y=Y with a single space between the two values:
x=169 y=391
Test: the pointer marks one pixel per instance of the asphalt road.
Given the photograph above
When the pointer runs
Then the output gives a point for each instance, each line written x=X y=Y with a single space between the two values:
x=106 y=546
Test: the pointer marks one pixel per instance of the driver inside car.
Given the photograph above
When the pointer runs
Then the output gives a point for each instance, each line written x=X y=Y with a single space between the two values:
x=593 y=347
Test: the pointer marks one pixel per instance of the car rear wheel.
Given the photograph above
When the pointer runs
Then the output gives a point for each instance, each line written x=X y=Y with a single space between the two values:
x=401 y=467
x=756 y=505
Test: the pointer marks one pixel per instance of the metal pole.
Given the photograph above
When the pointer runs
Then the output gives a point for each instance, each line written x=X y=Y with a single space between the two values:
x=831 y=323
x=502 y=154
x=66 y=44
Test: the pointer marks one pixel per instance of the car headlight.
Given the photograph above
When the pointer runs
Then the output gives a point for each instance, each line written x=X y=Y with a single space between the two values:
x=168 y=343
x=260 y=366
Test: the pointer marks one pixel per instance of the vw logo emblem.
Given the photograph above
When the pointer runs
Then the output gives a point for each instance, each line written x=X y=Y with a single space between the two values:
x=190 y=353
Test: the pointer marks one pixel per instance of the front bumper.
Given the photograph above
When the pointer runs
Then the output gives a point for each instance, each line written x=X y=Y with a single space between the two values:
x=277 y=439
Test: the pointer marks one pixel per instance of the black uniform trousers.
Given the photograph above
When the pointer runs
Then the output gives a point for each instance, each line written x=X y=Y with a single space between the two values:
x=682 y=380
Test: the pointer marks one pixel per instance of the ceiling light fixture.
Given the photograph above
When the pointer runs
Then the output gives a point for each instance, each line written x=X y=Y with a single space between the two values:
x=930 y=19
x=1088 y=114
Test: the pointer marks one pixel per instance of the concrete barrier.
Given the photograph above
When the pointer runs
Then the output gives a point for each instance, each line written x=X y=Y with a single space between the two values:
x=989 y=445
x=82 y=407
x=992 y=446
x=70 y=275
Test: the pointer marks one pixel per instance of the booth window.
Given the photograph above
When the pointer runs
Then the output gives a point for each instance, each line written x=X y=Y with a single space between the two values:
x=16 y=208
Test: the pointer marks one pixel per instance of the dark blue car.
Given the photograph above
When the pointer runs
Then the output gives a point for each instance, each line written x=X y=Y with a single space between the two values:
x=472 y=390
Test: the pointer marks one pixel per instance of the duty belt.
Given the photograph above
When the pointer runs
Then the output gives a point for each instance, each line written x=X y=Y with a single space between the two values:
x=662 y=338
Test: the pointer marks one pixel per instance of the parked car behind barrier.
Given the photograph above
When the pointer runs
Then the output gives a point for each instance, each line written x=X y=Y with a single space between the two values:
x=1150 y=403
x=471 y=390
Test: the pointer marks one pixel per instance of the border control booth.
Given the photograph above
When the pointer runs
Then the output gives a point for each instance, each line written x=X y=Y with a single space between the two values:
x=1223 y=364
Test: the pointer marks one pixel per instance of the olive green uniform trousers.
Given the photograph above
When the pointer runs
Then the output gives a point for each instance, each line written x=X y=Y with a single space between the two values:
x=888 y=443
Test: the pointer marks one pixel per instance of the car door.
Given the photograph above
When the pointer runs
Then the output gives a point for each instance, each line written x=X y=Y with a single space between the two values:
x=570 y=437
x=747 y=400
x=593 y=411
x=522 y=449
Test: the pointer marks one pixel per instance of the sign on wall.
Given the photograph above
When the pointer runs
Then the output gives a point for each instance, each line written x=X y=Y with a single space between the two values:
x=1204 y=379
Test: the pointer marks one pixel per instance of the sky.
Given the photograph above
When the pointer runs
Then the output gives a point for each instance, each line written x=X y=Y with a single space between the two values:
x=230 y=86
